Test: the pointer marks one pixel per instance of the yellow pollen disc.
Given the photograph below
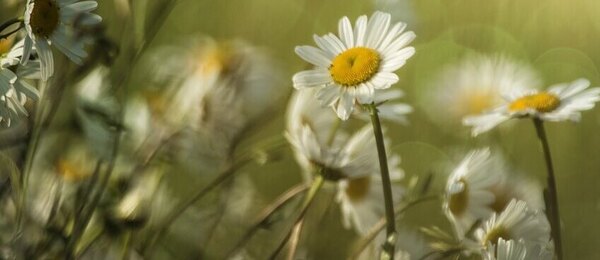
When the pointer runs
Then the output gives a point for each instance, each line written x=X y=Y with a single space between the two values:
x=5 y=45
x=45 y=17
x=355 y=66
x=358 y=188
x=458 y=202
x=542 y=102
x=69 y=171
x=493 y=235
x=476 y=102
x=216 y=59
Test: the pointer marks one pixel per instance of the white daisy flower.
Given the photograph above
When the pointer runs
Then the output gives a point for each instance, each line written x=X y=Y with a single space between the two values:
x=516 y=250
x=516 y=222
x=360 y=197
x=389 y=108
x=216 y=88
x=14 y=88
x=50 y=22
x=475 y=85
x=560 y=102
x=351 y=66
x=468 y=191
x=334 y=161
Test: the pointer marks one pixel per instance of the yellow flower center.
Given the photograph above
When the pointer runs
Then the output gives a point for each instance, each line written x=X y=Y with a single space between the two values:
x=355 y=66
x=542 y=102
x=216 y=59
x=69 y=171
x=458 y=202
x=493 y=235
x=45 y=17
x=358 y=188
x=476 y=102
x=5 y=45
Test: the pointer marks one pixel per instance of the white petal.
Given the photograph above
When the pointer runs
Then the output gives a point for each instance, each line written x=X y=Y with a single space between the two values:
x=345 y=105
x=484 y=123
x=345 y=31
x=46 y=59
x=399 y=43
x=376 y=29
x=328 y=95
x=383 y=80
x=313 y=55
x=359 y=30
x=398 y=59
x=311 y=78
x=364 y=94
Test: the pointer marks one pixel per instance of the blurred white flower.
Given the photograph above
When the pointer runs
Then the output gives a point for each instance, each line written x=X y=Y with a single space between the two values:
x=560 y=102
x=135 y=208
x=475 y=85
x=14 y=89
x=517 y=222
x=468 y=194
x=516 y=250
x=360 y=198
x=97 y=110
x=50 y=23
x=215 y=88
x=351 y=66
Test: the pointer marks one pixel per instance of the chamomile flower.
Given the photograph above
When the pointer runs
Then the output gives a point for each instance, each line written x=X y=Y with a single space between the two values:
x=351 y=66
x=468 y=194
x=360 y=196
x=516 y=222
x=14 y=88
x=476 y=84
x=214 y=88
x=335 y=161
x=560 y=102
x=50 y=23
x=516 y=250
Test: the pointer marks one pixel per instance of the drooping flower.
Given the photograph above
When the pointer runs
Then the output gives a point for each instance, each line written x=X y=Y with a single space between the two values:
x=351 y=66
x=517 y=222
x=560 y=102
x=516 y=250
x=468 y=191
x=14 y=88
x=475 y=85
x=50 y=23
x=215 y=88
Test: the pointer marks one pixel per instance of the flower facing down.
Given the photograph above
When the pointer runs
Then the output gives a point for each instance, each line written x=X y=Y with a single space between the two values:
x=351 y=66
x=14 y=89
x=516 y=250
x=468 y=191
x=50 y=22
x=475 y=85
x=560 y=102
x=517 y=222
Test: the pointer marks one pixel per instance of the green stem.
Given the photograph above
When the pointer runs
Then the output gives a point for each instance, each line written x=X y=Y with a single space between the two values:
x=390 y=243
x=379 y=226
x=550 y=192
x=310 y=196
x=128 y=240
x=262 y=219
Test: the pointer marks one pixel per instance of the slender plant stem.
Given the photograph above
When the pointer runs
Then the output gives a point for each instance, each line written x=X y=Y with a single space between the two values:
x=263 y=217
x=390 y=242
x=362 y=244
x=551 y=192
x=295 y=240
x=308 y=199
x=128 y=240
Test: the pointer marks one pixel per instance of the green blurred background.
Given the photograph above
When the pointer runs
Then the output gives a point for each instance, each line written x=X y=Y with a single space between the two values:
x=559 y=38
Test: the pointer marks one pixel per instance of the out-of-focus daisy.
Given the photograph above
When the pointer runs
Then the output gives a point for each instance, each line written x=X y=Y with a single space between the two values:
x=410 y=245
x=389 y=108
x=50 y=22
x=468 y=194
x=514 y=186
x=14 y=88
x=516 y=250
x=351 y=66
x=216 y=88
x=360 y=196
x=475 y=85
x=560 y=102
x=516 y=222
